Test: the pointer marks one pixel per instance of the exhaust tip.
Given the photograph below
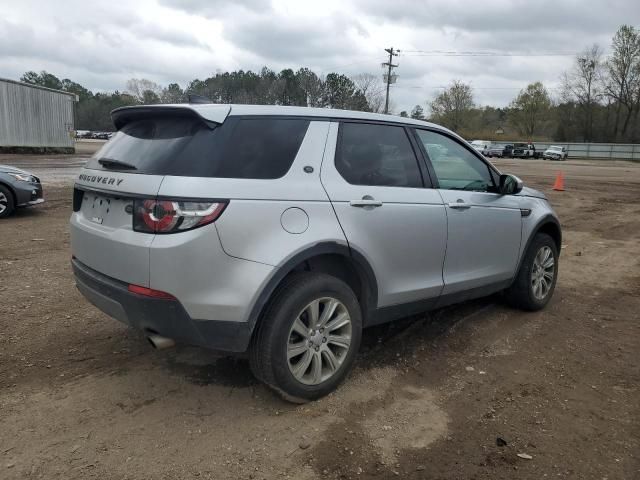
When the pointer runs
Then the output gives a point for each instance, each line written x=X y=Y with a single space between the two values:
x=160 y=343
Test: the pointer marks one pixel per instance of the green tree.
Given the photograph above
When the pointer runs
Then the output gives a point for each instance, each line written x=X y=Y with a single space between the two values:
x=292 y=92
x=95 y=112
x=172 y=94
x=452 y=108
x=43 y=79
x=530 y=108
x=338 y=90
x=311 y=86
x=149 y=97
x=73 y=87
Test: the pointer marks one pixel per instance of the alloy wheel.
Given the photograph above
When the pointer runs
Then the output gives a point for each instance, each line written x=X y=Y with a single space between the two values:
x=3 y=202
x=542 y=272
x=319 y=341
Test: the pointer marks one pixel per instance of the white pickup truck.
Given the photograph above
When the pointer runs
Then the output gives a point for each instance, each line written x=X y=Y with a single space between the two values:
x=482 y=146
x=555 y=152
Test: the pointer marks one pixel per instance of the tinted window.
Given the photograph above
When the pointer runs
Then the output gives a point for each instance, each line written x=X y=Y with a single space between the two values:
x=260 y=148
x=456 y=167
x=378 y=155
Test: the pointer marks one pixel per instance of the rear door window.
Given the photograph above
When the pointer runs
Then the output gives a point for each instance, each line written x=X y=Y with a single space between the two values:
x=377 y=155
x=252 y=148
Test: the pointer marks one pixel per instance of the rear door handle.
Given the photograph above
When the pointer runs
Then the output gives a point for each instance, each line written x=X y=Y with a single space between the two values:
x=459 y=205
x=367 y=201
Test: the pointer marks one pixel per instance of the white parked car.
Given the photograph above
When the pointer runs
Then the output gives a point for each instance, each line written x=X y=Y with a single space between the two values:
x=555 y=152
x=481 y=146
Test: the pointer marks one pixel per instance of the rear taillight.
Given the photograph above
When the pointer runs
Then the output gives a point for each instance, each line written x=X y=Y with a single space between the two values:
x=171 y=216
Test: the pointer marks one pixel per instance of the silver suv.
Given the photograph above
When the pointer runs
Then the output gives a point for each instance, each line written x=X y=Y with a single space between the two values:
x=284 y=231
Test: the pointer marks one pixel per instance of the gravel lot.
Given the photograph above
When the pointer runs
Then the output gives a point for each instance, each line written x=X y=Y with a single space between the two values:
x=81 y=396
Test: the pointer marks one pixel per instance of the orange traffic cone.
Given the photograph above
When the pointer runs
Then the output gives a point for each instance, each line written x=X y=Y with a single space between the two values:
x=559 y=183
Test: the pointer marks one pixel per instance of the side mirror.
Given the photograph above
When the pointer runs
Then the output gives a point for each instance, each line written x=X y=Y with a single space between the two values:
x=510 y=184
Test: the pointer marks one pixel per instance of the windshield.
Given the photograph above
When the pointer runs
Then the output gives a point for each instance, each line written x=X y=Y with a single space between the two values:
x=557 y=149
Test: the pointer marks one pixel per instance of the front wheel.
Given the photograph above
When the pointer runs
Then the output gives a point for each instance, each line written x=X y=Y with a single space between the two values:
x=6 y=202
x=308 y=339
x=535 y=282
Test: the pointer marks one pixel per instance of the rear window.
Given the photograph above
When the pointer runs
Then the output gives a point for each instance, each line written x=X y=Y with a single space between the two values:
x=260 y=148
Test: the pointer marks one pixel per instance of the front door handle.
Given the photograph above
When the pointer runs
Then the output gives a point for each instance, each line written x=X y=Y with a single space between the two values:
x=367 y=201
x=459 y=205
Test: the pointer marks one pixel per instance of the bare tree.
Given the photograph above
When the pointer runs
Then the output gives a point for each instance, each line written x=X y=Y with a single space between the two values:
x=452 y=108
x=372 y=88
x=417 y=112
x=583 y=84
x=530 y=108
x=623 y=67
x=143 y=89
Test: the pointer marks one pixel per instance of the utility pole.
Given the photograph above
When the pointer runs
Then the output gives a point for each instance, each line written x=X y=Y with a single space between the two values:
x=389 y=80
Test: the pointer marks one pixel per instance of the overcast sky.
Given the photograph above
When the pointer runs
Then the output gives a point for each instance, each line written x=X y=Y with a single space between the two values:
x=102 y=44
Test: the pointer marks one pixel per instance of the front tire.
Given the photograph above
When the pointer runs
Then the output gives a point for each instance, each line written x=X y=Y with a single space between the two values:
x=535 y=282
x=307 y=341
x=7 y=206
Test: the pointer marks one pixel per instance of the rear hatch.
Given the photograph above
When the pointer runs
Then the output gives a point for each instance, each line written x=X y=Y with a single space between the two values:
x=126 y=172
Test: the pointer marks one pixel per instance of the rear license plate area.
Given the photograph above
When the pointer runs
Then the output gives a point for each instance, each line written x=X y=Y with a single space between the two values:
x=98 y=208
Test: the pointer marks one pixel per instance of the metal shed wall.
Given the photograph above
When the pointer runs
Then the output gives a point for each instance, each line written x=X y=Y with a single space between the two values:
x=33 y=116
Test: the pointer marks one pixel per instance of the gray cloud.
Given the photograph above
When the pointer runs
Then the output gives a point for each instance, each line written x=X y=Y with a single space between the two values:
x=217 y=8
x=101 y=45
x=273 y=38
x=513 y=16
x=171 y=36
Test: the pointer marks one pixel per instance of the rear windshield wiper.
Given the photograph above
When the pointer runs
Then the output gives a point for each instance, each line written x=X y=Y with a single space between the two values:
x=116 y=164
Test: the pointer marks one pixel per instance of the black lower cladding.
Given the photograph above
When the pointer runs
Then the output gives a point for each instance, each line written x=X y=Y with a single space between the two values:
x=167 y=318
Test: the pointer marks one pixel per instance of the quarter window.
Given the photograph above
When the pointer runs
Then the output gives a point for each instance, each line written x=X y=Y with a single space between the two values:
x=377 y=155
x=456 y=168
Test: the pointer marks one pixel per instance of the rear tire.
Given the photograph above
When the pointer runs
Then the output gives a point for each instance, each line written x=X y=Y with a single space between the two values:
x=308 y=338
x=535 y=282
x=7 y=206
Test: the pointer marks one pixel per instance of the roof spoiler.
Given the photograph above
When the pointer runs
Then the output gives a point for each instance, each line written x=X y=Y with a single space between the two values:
x=211 y=114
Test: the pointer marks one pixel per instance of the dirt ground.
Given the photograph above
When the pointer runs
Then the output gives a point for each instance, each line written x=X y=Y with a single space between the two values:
x=81 y=396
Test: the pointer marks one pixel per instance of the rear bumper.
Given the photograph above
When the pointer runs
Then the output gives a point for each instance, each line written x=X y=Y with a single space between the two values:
x=164 y=317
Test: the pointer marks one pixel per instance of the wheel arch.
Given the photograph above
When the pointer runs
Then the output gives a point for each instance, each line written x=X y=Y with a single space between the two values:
x=326 y=257
x=11 y=191
x=551 y=227
x=547 y=224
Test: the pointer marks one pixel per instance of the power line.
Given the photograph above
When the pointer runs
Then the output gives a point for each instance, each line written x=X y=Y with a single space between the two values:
x=438 y=87
x=357 y=62
x=457 y=53
x=392 y=53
